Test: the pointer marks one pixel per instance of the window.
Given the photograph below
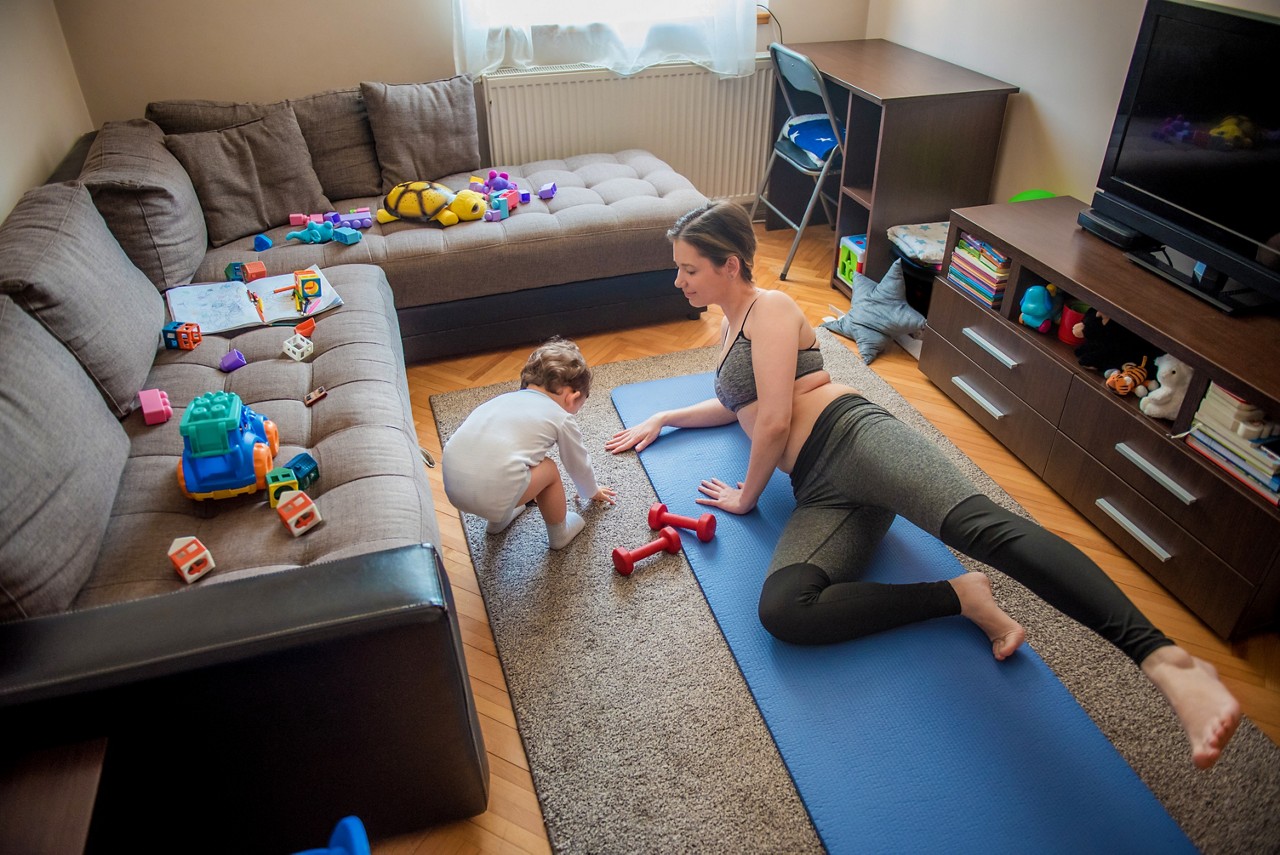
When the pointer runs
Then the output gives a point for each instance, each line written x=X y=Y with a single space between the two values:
x=717 y=34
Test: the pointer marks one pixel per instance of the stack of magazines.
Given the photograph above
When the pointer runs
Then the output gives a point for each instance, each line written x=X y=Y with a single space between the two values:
x=1237 y=437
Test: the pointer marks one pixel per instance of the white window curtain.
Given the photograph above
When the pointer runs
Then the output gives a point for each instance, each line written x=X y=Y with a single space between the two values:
x=624 y=36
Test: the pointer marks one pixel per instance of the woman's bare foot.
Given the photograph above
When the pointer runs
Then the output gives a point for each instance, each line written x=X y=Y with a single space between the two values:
x=1208 y=711
x=979 y=606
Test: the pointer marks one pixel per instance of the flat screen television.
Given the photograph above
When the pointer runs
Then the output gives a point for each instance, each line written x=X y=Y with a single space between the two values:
x=1193 y=161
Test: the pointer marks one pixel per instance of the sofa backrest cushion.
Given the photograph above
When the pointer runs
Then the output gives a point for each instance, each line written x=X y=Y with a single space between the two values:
x=334 y=123
x=61 y=459
x=60 y=262
x=250 y=177
x=147 y=200
x=424 y=131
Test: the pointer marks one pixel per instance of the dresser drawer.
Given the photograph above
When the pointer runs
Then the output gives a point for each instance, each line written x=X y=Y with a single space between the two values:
x=1173 y=478
x=1006 y=416
x=1173 y=557
x=1005 y=353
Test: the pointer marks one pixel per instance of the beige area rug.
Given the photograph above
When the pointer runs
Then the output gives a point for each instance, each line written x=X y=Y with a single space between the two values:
x=641 y=733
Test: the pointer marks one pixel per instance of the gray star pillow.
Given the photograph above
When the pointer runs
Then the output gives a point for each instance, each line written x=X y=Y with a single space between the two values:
x=879 y=312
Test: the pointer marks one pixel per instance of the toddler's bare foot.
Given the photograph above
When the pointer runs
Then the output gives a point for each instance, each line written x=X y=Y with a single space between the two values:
x=1208 y=711
x=979 y=606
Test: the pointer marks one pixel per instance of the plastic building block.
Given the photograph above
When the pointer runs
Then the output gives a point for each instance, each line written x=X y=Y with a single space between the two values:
x=510 y=196
x=356 y=220
x=308 y=282
x=191 y=559
x=525 y=197
x=234 y=270
x=298 y=513
x=332 y=217
x=346 y=235
x=156 y=408
x=279 y=481
x=546 y=191
x=232 y=360
x=477 y=184
x=261 y=243
x=299 y=347
x=304 y=468
x=227 y=448
x=299 y=219
x=306 y=328
x=315 y=395
x=181 y=336
x=254 y=270
x=498 y=209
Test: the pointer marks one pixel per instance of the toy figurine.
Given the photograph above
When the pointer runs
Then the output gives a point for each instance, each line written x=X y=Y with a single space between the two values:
x=1041 y=306
x=191 y=558
x=1174 y=376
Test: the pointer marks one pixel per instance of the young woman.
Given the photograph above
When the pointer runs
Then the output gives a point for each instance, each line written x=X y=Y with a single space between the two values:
x=853 y=467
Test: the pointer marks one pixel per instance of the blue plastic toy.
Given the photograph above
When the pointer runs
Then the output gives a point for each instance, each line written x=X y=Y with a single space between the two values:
x=227 y=448
x=348 y=838
x=1041 y=306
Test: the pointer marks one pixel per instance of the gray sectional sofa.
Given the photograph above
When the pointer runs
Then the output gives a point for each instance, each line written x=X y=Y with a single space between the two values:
x=307 y=678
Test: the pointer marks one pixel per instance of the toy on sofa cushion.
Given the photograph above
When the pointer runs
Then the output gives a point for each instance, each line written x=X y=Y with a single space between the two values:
x=1174 y=377
x=1041 y=307
x=227 y=448
x=878 y=313
x=427 y=201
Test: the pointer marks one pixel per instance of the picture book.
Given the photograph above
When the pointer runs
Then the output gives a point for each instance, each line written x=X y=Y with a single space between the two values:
x=233 y=305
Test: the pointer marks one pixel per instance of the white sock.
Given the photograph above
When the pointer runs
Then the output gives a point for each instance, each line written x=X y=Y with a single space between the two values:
x=561 y=534
x=499 y=526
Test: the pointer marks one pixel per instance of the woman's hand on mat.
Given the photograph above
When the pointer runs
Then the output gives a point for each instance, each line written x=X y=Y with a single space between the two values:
x=726 y=498
x=638 y=437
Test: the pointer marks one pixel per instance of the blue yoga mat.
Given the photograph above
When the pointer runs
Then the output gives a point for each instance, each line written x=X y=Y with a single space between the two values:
x=916 y=739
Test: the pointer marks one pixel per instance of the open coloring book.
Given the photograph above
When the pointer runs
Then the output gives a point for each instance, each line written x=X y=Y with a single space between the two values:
x=231 y=305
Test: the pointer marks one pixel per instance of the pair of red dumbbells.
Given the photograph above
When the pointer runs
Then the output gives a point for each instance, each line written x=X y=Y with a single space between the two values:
x=624 y=560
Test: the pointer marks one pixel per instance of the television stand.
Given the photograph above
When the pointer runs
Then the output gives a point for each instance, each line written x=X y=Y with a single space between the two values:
x=1216 y=289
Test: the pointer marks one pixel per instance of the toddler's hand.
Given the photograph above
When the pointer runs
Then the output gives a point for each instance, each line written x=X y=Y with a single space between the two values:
x=606 y=494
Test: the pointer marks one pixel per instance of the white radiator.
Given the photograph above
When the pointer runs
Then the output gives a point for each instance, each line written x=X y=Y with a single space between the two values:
x=713 y=131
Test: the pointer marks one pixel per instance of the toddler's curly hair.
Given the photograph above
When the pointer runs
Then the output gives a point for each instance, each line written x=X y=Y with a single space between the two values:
x=557 y=363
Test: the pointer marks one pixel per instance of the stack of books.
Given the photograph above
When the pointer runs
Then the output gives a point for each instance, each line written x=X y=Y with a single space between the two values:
x=1237 y=437
x=978 y=271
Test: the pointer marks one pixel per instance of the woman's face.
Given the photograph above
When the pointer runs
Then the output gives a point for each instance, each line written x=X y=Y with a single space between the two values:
x=701 y=281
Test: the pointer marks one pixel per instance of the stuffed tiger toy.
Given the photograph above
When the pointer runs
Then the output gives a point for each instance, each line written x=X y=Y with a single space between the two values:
x=1130 y=378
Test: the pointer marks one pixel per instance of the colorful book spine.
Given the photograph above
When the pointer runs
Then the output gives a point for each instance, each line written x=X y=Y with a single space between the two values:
x=1209 y=454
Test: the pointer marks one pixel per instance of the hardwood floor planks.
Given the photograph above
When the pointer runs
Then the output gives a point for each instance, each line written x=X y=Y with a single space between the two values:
x=513 y=824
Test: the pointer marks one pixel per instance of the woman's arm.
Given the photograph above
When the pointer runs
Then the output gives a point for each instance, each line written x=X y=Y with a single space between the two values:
x=774 y=330
x=708 y=413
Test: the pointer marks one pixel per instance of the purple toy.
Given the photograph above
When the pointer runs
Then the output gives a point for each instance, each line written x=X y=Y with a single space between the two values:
x=232 y=360
x=546 y=191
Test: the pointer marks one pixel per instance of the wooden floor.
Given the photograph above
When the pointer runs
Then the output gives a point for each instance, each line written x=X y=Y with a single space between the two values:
x=513 y=823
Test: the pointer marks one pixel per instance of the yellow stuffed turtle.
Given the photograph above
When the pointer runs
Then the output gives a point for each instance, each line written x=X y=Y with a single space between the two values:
x=428 y=201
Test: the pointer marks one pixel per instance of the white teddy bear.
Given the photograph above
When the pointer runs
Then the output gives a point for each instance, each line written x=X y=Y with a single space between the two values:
x=1174 y=377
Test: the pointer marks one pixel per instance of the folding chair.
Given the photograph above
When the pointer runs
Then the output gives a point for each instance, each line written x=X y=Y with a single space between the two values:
x=811 y=140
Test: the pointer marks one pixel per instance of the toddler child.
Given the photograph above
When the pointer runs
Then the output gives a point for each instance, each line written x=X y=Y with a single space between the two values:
x=496 y=461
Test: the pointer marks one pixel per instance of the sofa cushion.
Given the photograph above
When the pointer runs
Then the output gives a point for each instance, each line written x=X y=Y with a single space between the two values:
x=252 y=176
x=61 y=460
x=334 y=123
x=147 y=200
x=60 y=262
x=423 y=131
x=372 y=491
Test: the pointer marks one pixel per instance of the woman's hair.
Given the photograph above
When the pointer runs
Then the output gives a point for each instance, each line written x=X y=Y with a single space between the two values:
x=555 y=364
x=718 y=230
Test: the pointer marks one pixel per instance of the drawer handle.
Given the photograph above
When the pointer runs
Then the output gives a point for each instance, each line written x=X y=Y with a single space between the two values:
x=1003 y=358
x=978 y=399
x=1155 y=473
x=1138 y=534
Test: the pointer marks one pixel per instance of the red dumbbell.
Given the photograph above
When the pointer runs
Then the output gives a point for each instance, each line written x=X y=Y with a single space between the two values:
x=624 y=560
x=704 y=526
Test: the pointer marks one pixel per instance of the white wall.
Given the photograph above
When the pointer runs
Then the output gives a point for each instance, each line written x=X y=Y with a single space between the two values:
x=41 y=109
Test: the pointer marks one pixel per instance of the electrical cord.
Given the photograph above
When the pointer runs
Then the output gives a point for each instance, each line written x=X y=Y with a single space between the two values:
x=776 y=23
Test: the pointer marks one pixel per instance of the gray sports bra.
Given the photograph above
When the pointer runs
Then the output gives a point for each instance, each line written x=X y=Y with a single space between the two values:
x=735 y=381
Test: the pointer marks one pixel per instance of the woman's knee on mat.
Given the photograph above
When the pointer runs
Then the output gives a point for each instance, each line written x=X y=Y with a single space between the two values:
x=785 y=598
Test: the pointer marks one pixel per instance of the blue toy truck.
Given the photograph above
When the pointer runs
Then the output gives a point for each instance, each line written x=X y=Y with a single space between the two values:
x=227 y=448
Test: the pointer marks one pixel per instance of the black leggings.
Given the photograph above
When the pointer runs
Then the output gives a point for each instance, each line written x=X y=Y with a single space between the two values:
x=863 y=468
